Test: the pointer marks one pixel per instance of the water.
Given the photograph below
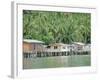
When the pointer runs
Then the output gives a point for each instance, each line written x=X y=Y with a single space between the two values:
x=57 y=61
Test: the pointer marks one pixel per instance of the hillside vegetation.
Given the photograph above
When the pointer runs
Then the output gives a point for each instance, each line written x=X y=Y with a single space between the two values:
x=52 y=27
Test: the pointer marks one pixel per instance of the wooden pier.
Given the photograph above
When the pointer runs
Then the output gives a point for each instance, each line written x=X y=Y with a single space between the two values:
x=51 y=54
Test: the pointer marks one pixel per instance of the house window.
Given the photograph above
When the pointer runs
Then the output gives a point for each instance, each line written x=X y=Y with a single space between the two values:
x=48 y=46
x=55 y=47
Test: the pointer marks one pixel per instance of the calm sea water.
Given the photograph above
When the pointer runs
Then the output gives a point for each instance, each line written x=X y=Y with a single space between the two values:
x=58 y=61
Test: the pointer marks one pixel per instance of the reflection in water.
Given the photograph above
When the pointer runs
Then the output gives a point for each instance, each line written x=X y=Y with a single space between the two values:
x=57 y=61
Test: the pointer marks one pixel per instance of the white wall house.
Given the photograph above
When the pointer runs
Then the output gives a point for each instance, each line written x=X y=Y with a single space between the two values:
x=87 y=47
x=57 y=47
x=78 y=47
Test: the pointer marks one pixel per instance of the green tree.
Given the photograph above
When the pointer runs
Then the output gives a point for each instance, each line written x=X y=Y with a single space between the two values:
x=52 y=27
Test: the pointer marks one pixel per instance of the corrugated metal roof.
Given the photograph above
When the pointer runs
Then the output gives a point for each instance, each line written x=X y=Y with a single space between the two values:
x=32 y=41
x=79 y=43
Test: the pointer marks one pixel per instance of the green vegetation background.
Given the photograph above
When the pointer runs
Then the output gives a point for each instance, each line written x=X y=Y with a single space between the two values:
x=52 y=27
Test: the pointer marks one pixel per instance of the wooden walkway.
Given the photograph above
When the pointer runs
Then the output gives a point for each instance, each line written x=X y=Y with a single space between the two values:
x=50 y=54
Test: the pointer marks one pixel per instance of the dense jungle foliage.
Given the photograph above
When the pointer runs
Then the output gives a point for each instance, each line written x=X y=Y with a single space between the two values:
x=52 y=27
